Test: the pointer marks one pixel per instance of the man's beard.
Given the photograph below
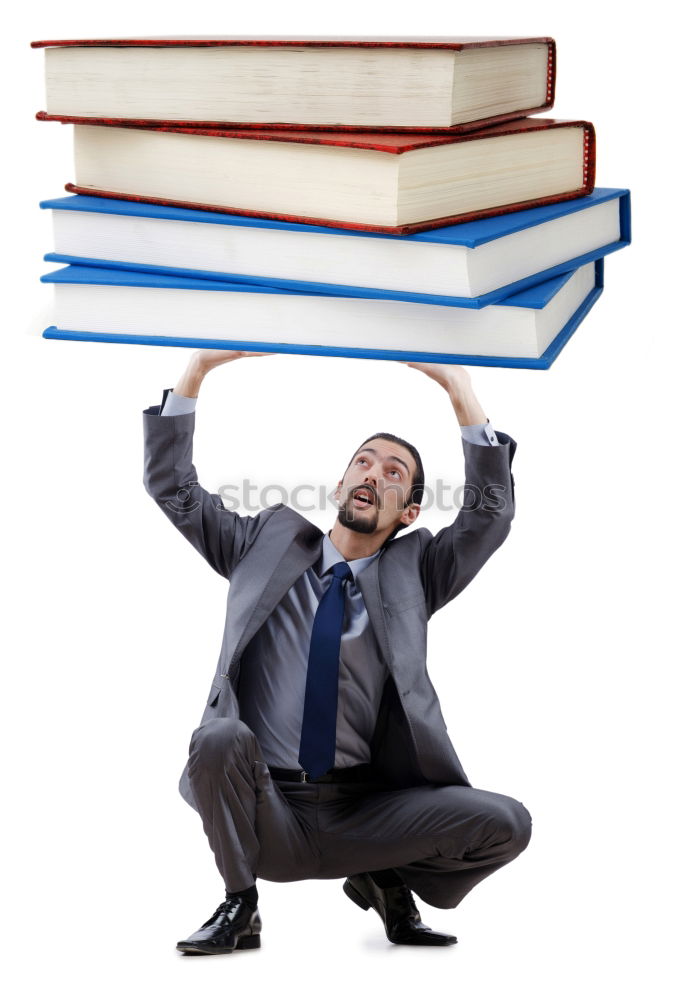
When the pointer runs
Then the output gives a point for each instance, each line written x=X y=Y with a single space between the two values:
x=364 y=526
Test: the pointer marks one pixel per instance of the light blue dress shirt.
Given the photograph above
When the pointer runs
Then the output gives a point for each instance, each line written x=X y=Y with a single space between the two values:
x=275 y=662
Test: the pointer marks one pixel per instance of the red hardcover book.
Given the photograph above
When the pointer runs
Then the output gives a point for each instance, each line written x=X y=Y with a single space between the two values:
x=416 y=84
x=397 y=183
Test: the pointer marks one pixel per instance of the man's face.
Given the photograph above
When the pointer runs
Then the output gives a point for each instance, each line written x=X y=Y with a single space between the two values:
x=376 y=484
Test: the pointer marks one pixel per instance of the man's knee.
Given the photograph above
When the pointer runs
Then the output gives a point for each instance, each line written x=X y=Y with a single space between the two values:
x=515 y=823
x=218 y=742
x=488 y=820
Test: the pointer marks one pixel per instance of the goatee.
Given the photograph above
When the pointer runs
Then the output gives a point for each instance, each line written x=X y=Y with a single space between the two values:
x=361 y=525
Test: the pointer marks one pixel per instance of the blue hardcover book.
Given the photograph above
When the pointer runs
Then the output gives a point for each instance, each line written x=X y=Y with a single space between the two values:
x=526 y=330
x=469 y=265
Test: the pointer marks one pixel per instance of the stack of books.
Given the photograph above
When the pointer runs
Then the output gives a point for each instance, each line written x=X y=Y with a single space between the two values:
x=358 y=197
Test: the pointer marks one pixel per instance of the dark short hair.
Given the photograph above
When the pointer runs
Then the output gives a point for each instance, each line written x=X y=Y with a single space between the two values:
x=418 y=479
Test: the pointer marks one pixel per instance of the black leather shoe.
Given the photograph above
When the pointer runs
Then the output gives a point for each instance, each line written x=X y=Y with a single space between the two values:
x=397 y=910
x=234 y=925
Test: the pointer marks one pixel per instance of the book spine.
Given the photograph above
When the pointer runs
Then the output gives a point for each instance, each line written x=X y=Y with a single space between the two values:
x=589 y=158
x=551 y=73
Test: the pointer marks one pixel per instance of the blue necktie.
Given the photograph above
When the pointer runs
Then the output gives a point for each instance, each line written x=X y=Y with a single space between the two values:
x=318 y=731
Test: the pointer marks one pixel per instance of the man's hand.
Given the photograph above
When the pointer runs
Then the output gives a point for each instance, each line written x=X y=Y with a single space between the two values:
x=444 y=374
x=457 y=382
x=208 y=359
x=203 y=361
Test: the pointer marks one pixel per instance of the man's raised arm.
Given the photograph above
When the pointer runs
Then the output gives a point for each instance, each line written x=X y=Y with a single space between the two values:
x=220 y=535
x=454 y=556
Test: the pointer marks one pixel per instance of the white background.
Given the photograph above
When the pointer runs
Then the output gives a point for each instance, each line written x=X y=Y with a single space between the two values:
x=551 y=666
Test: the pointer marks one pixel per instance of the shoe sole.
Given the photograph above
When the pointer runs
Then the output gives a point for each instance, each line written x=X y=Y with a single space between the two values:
x=428 y=942
x=251 y=941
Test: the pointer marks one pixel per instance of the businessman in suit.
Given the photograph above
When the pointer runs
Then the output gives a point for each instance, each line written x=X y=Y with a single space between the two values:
x=322 y=751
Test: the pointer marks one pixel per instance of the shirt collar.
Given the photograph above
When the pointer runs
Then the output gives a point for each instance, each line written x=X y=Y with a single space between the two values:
x=331 y=555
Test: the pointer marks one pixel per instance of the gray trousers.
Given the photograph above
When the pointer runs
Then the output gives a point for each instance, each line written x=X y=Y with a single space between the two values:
x=442 y=839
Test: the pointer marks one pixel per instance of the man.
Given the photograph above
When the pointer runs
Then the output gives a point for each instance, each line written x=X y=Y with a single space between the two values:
x=322 y=751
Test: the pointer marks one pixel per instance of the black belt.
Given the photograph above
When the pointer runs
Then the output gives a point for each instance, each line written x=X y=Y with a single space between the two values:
x=361 y=772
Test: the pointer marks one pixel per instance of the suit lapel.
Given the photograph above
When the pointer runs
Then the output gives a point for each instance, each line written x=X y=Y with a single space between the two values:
x=368 y=582
x=294 y=560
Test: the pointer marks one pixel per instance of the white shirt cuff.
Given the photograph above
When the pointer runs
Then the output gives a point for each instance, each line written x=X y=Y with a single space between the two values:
x=175 y=404
x=479 y=433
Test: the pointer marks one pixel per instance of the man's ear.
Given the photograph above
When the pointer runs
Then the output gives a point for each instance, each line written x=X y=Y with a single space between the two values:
x=338 y=489
x=411 y=513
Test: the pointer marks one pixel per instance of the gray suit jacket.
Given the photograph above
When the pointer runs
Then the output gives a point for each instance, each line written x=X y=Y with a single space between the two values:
x=416 y=574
